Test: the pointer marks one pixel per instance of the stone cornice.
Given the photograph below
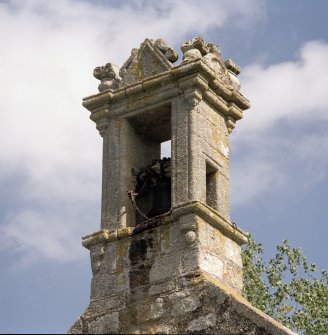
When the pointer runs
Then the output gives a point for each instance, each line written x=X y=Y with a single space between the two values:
x=105 y=236
x=205 y=212
x=196 y=73
x=211 y=216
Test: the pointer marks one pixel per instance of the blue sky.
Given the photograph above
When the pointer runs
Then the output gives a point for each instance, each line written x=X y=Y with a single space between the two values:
x=50 y=152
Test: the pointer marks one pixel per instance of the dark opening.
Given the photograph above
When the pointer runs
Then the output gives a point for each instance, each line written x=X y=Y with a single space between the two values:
x=211 y=192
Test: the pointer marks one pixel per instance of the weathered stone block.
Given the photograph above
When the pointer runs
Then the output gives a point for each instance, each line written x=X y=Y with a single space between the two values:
x=157 y=309
x=164 y=268
x=107 y=324
x=163 y=288
x=183 y=305
x=202 y=323
x=109 y=284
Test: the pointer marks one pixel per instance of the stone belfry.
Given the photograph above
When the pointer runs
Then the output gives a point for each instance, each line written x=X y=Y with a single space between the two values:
x=167 y=258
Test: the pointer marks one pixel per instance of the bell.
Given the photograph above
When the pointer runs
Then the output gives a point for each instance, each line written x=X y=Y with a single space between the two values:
x=161 y=197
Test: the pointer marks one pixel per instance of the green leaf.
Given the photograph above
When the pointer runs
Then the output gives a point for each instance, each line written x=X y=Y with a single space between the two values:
x=287 y=288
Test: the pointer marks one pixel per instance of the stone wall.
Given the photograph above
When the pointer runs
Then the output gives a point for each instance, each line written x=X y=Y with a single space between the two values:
x=180 y=277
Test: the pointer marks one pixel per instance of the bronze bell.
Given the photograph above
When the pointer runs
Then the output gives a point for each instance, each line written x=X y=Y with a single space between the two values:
x=161 y=197
x=153 y=180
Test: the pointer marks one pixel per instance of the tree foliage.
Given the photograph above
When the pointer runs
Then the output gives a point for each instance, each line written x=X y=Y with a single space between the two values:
x=287 y=288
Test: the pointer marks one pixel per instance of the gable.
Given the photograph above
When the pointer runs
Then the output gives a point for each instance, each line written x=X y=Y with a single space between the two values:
x=150 y=59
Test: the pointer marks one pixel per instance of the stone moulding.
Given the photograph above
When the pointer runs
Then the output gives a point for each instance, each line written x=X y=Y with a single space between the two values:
x=211 y=216
x=105 y=236
x=200 y=76
x=205 y=212
x=173 y=75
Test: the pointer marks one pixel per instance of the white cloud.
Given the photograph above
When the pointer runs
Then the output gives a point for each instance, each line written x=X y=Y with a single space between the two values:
x=289 y=90
x=292 y=95
x=49 y=49
x=251 y=177
x=38 y=232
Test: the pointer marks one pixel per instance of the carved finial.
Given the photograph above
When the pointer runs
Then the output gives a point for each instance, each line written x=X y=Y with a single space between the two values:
x=168 y=52
x=108 y=75
x=214 y=49
x=196 y=48
x=195 y=43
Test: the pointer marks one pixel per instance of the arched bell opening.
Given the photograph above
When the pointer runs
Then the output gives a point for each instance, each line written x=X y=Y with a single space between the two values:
x=151 y=176
x=153 y=189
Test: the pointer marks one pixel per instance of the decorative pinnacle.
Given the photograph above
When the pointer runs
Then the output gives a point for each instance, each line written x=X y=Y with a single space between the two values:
x=108 y=75
x=109 y=71
x=199 y=44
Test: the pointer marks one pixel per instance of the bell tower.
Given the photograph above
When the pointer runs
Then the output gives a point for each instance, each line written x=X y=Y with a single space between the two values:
x=167 y=258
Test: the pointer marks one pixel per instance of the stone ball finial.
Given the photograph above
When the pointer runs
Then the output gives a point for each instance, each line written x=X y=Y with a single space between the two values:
x=190 y=55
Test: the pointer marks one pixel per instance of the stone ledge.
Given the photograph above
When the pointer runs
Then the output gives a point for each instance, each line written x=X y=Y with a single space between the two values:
x=105 y=236
x=194 y=68
x=207 y=213
x=211 y=216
